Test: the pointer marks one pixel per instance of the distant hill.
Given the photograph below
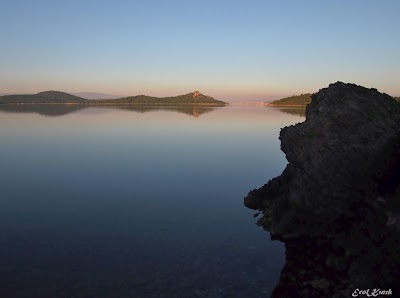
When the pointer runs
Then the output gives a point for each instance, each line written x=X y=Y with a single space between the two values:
x=191 y=98
x=42 y=97
x=295 y=100
x=53 y=97
x=298 y=100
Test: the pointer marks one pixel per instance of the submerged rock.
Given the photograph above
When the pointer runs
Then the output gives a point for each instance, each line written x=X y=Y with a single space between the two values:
x=336 y=205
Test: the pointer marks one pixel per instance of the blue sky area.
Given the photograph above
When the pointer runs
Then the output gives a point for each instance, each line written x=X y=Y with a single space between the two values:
x=232 y=50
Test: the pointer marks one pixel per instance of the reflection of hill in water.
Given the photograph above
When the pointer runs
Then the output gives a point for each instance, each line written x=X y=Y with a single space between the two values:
x=195 y=111
x=64 y=109
x=300 y=111
x=45 y=110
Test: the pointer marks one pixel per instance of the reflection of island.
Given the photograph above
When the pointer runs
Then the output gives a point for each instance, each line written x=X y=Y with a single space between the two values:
x=64 y=109
x=43 y=109
x=299 y=111
x=194 y=111
x=336 y=206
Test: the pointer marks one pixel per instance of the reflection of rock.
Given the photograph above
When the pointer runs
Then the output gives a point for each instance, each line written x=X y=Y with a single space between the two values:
x=336 y=204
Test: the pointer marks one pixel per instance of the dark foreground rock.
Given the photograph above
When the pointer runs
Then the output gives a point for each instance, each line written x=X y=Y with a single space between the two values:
x=336 y=205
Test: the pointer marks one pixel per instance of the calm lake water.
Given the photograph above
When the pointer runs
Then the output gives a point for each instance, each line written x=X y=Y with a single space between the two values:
x=137 y=202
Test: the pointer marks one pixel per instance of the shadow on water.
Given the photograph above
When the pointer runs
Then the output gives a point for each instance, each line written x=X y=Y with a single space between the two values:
x=64 y=109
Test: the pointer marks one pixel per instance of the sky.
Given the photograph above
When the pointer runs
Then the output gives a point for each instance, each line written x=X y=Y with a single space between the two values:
x=231 y=50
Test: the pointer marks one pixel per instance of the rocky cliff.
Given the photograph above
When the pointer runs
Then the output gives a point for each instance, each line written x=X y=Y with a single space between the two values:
x=336 y=204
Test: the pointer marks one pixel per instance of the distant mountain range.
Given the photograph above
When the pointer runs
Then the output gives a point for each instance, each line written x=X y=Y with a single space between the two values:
x=96 y=95
x=57 y=97
x=42 y=97
x=86 y=95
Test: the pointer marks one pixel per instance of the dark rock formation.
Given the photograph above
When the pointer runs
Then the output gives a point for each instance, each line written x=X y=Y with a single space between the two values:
x=336 y=205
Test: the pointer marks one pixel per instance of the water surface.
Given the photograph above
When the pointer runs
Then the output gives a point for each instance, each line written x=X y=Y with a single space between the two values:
x=136 y=201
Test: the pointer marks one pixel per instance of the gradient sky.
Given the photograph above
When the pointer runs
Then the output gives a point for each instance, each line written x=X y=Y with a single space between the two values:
x=232 y=50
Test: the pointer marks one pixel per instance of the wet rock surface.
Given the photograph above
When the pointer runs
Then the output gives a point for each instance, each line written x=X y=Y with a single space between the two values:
x=336 y=205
